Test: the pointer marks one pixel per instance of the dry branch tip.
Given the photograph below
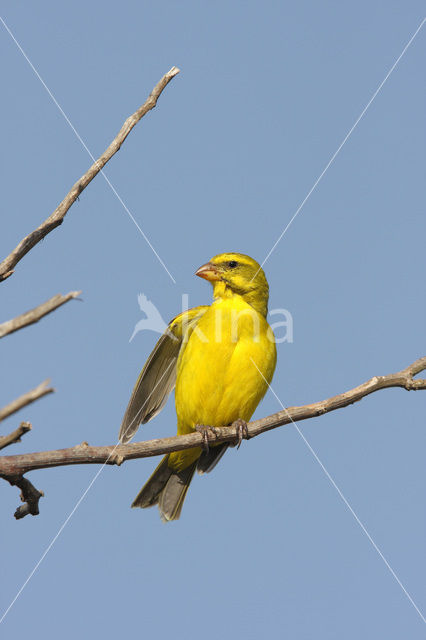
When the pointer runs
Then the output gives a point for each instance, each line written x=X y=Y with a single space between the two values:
x=29 y=495
x=15 y=436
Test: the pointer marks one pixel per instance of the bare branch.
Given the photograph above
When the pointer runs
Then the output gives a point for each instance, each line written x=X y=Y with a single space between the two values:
x=29 y=496
x=84 y=454
x=34 y=315
x=15 y=436
x=27 y=398
x=57 y=217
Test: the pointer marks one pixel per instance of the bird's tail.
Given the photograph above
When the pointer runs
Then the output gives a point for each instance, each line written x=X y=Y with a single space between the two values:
x=167 y=488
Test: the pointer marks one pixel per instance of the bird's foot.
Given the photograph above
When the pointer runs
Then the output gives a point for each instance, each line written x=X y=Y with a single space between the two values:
x=205 y=432
x=241 y=431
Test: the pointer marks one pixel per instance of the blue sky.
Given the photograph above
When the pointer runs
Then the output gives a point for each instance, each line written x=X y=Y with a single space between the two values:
x=267 y=92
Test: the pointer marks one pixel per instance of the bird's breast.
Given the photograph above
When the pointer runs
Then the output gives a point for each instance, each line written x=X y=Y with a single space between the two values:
x=218 y=377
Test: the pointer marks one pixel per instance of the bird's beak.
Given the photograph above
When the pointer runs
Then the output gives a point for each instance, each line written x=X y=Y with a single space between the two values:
x=209 y=272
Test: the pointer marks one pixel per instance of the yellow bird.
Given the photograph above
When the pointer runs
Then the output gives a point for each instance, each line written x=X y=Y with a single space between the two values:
x=211 y=354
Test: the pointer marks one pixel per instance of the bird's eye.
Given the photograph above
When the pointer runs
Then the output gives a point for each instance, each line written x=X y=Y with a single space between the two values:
x=232 y=264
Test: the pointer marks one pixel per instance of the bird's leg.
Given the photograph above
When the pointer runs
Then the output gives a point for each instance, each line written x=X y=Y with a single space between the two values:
x=205 y=431
x=241 y=430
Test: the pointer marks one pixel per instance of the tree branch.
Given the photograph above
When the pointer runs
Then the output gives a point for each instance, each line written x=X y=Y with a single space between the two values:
x=27 y=398
x=57 y=217
x=34 y=315
x=15 y=436
x=14 y=467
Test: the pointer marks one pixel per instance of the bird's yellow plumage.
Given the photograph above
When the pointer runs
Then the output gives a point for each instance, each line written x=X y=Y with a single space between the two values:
x=213 y=355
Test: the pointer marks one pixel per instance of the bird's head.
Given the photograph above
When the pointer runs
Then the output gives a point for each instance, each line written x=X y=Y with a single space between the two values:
x=236 y=273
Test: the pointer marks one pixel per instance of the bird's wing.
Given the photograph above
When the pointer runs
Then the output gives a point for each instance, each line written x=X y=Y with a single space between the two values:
x=158 y=377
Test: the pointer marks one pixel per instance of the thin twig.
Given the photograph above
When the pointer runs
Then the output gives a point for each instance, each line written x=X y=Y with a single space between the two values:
x=27 y=398
x=15 y=436
x=57 y=217
x=84 y=454
x=34 y=315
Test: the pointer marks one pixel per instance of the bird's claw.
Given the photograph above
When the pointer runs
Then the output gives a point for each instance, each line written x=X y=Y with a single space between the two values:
x=205 y=431
x=241 y=431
